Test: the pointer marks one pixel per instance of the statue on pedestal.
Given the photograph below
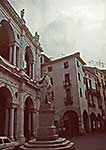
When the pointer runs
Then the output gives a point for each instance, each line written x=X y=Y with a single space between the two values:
x=44 y=84
x=36 y=38
x=47 y=137
x=22 y=15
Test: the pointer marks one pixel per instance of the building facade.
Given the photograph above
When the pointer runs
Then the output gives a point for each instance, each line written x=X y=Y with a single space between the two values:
x=68 y=92
x=96 y=106
x=20 y=54
x=75 y=95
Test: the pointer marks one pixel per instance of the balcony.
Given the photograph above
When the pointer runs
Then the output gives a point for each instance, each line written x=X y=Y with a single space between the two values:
x=104 y=87
x=91 y=105
x=68 y=101
x=67 y=83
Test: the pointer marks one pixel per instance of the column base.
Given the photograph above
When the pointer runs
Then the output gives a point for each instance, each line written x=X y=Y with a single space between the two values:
x=20 y=139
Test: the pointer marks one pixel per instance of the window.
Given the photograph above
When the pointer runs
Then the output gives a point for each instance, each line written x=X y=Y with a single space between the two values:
x=101 y=74
x=84 y=79
x=18 y=36
x=86 y=94
x=96 y=86
x=7 y=141
x=79 y=76
x=51 y=79
x=41 y=60
x=102 y=82
x=78 y=64
x=80 y=92
x=68 y=94
x=67 y=77
x=1 y=142
x=66 y=64
x=29 y=62
x=52 y=95
x=56 y=123
x=50 y=69
x=17 y=56
x=92 y=98
x=90 y=84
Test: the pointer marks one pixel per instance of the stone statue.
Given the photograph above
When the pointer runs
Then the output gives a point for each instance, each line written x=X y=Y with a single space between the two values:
x=36 y=37
x=22 y=14
x=45 y=85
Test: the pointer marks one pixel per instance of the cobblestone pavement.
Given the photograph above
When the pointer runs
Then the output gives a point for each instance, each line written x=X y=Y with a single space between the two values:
x=90 y=142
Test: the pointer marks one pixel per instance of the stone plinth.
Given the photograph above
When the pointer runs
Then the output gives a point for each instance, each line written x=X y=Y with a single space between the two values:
x=47 y=139
x=47 y=130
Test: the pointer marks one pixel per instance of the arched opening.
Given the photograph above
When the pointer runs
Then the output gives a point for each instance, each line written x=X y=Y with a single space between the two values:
x=93 y=122
x=71 y=123
x=86 y=121
x=28 y=118
x=29 y=62
x=5 y=110
x=100 y=123
x=6 y=41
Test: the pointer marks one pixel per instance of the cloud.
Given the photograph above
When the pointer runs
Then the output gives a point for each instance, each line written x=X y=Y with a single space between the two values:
x=65 y=27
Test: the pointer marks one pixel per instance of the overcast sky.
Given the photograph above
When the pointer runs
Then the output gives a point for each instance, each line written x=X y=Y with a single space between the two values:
x=68 y=26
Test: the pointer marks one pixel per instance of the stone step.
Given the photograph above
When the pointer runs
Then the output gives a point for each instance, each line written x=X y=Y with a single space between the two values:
x=59 y=140
x=60 y=144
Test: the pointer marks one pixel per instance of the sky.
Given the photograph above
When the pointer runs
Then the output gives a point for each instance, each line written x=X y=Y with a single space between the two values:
x=68 y=26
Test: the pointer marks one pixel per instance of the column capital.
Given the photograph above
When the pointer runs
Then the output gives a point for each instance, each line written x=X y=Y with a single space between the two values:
x=14 y=105
x=22 y=108
x=33 y=110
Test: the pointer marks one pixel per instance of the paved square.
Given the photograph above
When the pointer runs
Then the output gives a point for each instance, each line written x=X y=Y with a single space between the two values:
x=90 y=142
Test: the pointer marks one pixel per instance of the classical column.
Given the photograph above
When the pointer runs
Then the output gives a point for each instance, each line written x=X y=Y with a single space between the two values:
x=14 y=55
x=33 y=122
x=81 y=126
x=6 y=121
x=37 y=122
x=11 y=54
x=15 y=123
x=33 y=71
x=20 y=124
x=11 y=129
x=29 y=123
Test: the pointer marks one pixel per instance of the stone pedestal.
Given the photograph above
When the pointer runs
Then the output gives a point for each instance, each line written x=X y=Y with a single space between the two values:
x=47 y=130
x=47 y=139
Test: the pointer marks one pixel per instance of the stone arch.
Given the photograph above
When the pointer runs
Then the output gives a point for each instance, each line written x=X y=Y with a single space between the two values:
x=4 y=85
x=28 y=118
x=7 y=39
x=5 y=110
x=71 y=123
x=86 y=121
x=93 y=122
x=29 y=59
x=100 y=124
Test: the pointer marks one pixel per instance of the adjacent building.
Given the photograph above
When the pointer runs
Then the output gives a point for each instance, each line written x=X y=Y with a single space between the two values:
x=76 y=95
x=96 y=102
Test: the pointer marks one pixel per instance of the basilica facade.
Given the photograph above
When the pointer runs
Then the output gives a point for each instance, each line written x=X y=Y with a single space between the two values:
x=20 y=54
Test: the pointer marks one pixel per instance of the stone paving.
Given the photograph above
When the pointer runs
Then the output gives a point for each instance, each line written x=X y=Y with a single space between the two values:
x=90 y=142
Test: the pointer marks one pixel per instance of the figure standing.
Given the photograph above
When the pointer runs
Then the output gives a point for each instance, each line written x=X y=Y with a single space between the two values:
x=45 y=85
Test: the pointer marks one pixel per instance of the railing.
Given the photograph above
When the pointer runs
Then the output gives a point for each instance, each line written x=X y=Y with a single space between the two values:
x=67 y=83
x=104 y=87
x=68 y=101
